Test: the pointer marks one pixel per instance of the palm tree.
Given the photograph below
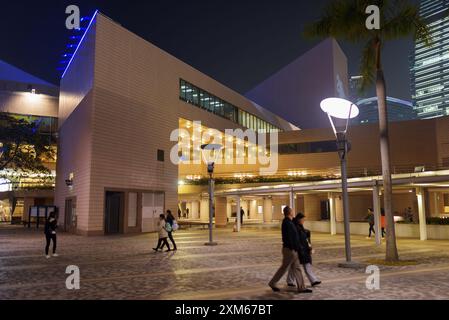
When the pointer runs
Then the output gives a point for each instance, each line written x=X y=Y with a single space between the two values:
x=346 y=20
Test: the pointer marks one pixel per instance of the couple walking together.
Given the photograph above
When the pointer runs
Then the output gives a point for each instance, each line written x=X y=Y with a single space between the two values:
x=296 y=251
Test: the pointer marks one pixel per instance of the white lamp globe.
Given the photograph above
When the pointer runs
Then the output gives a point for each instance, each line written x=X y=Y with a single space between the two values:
x=340 y=108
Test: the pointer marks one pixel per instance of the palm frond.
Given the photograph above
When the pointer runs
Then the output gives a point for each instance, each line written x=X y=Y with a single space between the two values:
x=368 y=65
x=342 y=19
x=402 y=20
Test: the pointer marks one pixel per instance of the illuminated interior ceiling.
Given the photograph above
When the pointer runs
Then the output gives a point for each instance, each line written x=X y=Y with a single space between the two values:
x=240 y=148
x=200 y=129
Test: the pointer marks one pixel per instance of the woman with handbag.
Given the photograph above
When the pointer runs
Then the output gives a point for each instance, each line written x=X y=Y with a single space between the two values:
x=173 y=225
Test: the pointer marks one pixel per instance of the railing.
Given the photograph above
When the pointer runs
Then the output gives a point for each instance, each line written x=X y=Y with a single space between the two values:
x=299 y=175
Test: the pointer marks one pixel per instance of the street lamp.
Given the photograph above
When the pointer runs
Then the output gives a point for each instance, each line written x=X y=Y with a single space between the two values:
x=342 y=109
x=210 y=153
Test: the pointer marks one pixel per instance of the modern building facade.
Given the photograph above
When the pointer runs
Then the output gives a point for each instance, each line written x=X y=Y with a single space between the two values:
x=121 y=97
x=430 y=65
x=125 y=105
x=26 y=97
x=294 y=91
x=398 y=110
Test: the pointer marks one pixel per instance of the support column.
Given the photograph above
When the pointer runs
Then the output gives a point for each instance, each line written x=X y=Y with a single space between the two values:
x=376 y=210
x=253 y=210
x=292 y=201
x=244 y=205
x=267 y=210
x=221 y=219
x=204 y=210
x=237 y=215
x=420 y=194
x=194 y=212
x=229 y=208
x=333 y=215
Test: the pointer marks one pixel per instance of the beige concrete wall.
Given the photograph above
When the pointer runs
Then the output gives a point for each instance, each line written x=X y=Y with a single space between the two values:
x=278 y=202
x=74 y=156
x=312 y=208
x=79 y=78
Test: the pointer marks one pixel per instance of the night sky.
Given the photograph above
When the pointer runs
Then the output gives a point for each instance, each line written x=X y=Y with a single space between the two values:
x=237 y=42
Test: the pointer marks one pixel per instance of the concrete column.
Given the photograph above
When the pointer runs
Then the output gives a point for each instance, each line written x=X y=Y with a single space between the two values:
x=221 y=218
x=267 y=210
x=204 y=210
x=194 y=212
x=244 y=205
x=376 y=209
x=27 y=203
x=333 y=215
x=292 y=202
x=253 y=210
x=420 y=194
x=237 y=216
x=229 y=208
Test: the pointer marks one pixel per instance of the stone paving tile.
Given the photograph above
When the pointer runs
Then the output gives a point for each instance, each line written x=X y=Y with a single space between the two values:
x=124 y=267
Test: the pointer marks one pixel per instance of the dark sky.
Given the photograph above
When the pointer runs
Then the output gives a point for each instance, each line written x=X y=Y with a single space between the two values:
x=237 y=42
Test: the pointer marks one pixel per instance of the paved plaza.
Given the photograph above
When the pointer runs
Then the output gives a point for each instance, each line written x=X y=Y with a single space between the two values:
x=125 y=267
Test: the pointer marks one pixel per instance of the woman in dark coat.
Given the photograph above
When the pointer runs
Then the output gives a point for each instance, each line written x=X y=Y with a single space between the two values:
x=305 y=252
x=50 y=234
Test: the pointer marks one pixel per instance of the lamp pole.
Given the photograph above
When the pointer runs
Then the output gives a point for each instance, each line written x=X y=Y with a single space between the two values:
x=345 y=110
x=210 y=169
x=343 y=150
x=215 y=149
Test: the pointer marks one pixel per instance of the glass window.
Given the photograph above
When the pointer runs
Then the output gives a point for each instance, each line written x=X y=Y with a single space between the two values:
x=183 y=90
x=198 y=97
x=195 y=96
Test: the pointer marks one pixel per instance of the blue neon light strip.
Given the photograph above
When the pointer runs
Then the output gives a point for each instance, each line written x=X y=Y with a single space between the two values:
x=81 y=41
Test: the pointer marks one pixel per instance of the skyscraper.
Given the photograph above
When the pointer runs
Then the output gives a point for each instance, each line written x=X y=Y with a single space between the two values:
x=430 y=65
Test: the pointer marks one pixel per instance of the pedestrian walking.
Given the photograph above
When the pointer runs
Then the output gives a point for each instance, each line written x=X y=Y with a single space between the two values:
x=370 y=219
x=383 y=222
x=163 y=234
x=304 y=253
x=242 y=214
x=50 y=233
x=290 y=240
x=171 y=220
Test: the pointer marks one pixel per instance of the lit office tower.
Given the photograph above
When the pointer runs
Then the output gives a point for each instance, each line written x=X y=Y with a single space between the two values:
x=430 y=65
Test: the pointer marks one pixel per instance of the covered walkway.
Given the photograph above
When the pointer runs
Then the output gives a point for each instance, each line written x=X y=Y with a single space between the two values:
x=417 y=198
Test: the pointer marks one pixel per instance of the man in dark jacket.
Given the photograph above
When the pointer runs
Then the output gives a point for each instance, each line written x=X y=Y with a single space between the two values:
x=290 y=240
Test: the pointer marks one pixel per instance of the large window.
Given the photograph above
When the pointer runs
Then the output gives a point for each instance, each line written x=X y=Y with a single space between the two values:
x=203 y=99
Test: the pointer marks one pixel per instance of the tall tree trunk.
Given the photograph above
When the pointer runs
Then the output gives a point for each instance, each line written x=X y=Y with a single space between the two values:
x=392 y=251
